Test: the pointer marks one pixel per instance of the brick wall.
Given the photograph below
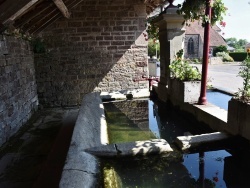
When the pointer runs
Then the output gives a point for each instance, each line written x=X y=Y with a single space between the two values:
x=18 y=90
x=100 y=48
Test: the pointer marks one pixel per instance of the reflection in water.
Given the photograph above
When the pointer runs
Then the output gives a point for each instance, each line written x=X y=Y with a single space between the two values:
x=218 y=98
x=222 y=168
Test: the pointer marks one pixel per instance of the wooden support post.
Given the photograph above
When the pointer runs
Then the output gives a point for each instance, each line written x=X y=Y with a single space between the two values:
x=62 y=7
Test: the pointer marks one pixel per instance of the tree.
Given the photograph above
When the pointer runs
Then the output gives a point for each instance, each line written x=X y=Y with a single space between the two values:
x=152 y=47
x=220 y=48
x=239 y=45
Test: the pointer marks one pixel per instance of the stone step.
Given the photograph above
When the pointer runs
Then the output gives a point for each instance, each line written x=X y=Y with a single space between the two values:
x=192 y=141
x=137 y=148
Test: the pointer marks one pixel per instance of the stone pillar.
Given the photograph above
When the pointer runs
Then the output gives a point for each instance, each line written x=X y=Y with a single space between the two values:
x=171 y=37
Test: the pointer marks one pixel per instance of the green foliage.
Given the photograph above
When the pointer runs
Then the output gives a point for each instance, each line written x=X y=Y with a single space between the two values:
x=152 y=30
x=17 y=33
x=192 y=10
x=238 y=56
x=38 y=45
x=225 y=56
x=196 y=61
x=244 y=93
x=239 y=45
x=182 y=70
x=220 y=48
x=195 y=10
x=152 y=46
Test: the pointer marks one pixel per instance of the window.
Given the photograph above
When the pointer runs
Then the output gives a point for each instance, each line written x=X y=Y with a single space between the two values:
x=190 y=49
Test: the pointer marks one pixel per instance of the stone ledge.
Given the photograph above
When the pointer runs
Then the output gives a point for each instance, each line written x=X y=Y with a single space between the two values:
x=188 y=142
x=81 y=169
x=129 y=149
x=121 y=95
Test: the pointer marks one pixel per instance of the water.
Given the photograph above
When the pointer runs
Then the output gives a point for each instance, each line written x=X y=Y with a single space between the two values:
x=218 y=98
x=224 y=165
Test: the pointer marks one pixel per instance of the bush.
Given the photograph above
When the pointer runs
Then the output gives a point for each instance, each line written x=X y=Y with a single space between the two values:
x=244 y=93
x=220 y=48
x=225 y=56
x=180 y=69
x=238 y=56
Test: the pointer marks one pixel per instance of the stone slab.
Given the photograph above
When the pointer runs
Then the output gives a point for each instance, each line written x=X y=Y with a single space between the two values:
x=82 y=169
x=138 y=148
x=188 y=142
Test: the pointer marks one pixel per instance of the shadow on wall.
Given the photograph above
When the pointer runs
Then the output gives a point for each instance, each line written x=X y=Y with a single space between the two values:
x=101 y=48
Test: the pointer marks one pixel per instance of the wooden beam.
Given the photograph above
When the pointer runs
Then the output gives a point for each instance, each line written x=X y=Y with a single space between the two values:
x=37 y=10
x=69 y=3
x=62 y=7
x=20 y=12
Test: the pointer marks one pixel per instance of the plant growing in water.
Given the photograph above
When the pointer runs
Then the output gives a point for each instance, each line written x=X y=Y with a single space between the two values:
x=244 y=93
x=182 y=70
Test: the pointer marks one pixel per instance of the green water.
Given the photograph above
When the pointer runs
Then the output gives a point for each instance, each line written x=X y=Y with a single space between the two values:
x=124 y=130
x=123 y=126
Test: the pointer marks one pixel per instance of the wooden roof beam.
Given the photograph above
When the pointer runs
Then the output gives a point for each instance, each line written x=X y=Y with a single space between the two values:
x=62 y=7
x=20 y=12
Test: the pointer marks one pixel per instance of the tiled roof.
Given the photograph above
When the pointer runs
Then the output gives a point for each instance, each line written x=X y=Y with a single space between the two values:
x=215 y=38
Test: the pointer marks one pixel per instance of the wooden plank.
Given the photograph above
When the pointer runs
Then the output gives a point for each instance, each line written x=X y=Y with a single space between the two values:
x=38 y=10
x=62 y=7
x=70 y=4
x=9 y=14
x=40 y=18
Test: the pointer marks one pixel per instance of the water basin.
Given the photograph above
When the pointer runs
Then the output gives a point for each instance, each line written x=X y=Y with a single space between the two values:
x=212 y=166
x=218 y=98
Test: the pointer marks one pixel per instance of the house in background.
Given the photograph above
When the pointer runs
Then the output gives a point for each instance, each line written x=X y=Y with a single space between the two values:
x=247 y=47
x=194 y=38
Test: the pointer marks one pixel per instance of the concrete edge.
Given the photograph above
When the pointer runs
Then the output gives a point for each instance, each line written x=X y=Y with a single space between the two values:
x=192 y=141
x=82 y=169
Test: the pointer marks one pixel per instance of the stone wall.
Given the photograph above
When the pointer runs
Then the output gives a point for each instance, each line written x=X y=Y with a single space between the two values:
x=100 y=48
x=135 y=110
x=197 y=44
x=18 y=89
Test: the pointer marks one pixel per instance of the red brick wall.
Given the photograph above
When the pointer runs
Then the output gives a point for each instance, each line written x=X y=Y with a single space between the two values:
x=100 y=48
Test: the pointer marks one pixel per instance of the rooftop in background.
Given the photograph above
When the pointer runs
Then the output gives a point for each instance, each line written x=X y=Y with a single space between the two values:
x=215 y=38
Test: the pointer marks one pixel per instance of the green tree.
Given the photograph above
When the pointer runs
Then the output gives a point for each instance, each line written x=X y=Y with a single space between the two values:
x=153 y=48
x=220 y=48
x=239 y=45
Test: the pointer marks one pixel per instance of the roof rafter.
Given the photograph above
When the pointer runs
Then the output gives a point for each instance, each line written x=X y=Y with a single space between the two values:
x=62 y=7
x=26 y=6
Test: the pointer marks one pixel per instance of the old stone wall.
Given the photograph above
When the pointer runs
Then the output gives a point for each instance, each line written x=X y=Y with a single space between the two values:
x=135 y=110
x=100 y=48
x=18 y=90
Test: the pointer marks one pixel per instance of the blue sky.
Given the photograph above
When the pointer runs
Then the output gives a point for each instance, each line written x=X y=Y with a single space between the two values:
x=237 y=19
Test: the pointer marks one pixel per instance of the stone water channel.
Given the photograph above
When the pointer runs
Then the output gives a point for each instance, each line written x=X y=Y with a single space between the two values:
x=223 y=164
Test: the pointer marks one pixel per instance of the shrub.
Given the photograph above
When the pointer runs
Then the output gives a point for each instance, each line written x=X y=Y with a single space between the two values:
x=180 y=69
x=244 y=93
x=220 y=48
x=238 y=56
x=225 y=56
